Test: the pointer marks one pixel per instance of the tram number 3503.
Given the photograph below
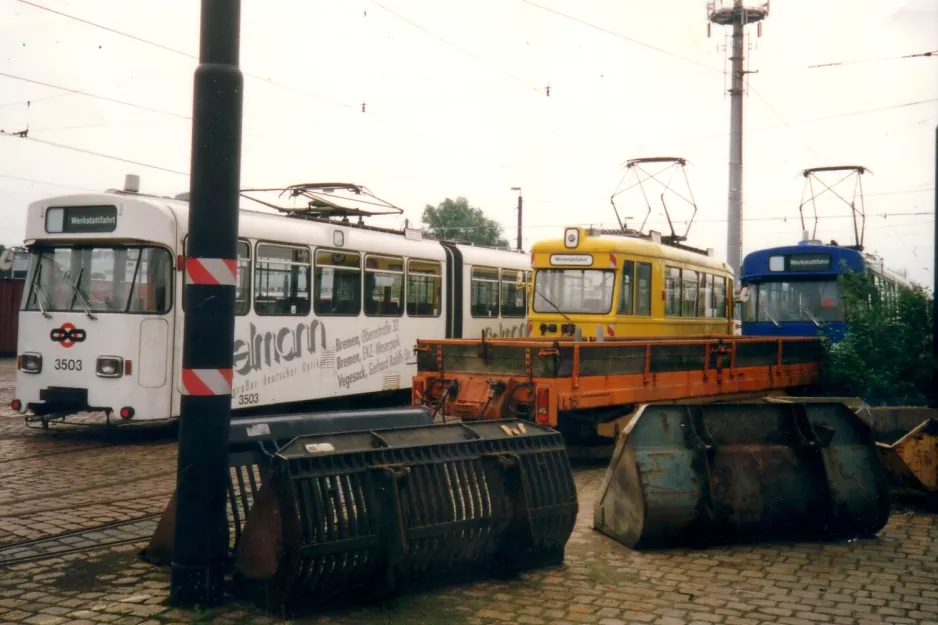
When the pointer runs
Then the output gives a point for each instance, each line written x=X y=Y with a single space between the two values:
x=67 y=364
x=247 y=399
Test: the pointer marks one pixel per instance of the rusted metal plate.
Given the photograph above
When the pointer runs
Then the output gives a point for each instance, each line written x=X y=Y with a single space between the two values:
x=907 y=440
x=483 y=357
x=365 y=514
x=698 y=474
x=618 y=359
x=756 y=354
x=666 y=358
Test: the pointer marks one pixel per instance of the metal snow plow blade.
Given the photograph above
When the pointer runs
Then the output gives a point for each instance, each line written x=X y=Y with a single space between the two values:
x=251 y=441
x=361 y=515
x=907 y=441
x=703 y=474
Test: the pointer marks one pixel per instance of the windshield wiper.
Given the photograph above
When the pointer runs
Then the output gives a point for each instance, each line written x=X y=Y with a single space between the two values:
x=555 y=306
x=84 y=300
x=769 y=315
x=41 y=294
x=810 y=316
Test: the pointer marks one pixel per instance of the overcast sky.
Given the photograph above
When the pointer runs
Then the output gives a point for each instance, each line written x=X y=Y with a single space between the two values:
x=456 y=105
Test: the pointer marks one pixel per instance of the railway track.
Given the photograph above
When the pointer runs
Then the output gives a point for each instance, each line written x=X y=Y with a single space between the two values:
x=56 y=452
x=131 y=531
x=106 y=535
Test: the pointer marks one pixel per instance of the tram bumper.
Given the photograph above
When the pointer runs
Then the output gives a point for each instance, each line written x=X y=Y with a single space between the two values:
x=251 y=442
x=714 y=473
x=367 y=514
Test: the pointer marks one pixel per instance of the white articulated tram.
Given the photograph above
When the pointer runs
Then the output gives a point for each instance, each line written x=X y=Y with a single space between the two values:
x=326 y=311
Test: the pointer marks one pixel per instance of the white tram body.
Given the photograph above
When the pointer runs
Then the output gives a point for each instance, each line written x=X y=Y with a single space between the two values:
x=324 y=311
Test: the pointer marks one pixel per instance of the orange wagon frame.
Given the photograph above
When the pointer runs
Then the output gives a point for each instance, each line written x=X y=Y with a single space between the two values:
x=480 y=376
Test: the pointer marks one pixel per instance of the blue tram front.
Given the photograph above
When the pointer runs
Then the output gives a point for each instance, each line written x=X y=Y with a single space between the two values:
x=794 y=290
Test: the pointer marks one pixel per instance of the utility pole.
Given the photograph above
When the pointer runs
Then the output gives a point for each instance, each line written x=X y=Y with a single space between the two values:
x=934 y=293
x=737 y=16
x=200 y=548
x=520 y=204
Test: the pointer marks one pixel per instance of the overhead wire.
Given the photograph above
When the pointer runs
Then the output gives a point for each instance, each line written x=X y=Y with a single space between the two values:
x=446 y=41
x=624 y=37
x=93 y=153
x=771 y=109
x=48 y=183
x=269 y=81
x=183 y=53
x=102 y=27
x=884 y=216
x=423 y=29
x=785 y=123
x=874 y=60
x=95 y=96
x=667 y=53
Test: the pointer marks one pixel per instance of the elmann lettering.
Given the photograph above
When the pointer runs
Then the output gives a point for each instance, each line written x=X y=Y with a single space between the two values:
x=283 y=345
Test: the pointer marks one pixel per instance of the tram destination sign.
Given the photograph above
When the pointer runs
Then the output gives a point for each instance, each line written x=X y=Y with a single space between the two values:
x=578 y=260
x=77 y=219
x=809 y=262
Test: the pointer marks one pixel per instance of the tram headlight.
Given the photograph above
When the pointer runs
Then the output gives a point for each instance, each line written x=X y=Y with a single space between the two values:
x=30 y=362
x=109 y=366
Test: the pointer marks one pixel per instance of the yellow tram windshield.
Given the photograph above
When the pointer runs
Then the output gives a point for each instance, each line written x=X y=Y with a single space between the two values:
x=620 y=285
x=580 y=291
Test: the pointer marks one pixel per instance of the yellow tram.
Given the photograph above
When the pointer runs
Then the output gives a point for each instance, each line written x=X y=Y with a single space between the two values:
x=606 y=285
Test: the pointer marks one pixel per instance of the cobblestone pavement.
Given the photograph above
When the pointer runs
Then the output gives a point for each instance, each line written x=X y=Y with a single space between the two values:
x=77 y=477
x=889 y=579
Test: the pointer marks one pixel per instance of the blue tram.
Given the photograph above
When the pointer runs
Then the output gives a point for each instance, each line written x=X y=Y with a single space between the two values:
x=794 y=290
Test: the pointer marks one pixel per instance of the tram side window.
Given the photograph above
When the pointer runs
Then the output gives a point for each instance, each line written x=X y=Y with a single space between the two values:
x=243 y=283
x=877 y=294
x=705 y=299
x=338 y=283
x=384 y=286
x=484 y=292
x=281 y=280
x=643 y=289
x=627 y=288
x=513 y=293
x=690 y=293
x=719 y=297
x=424 y=288
x=150 y=280
x=672 y=292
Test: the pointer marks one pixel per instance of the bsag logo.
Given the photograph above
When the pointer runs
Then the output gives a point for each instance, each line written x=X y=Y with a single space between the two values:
x=67 y=335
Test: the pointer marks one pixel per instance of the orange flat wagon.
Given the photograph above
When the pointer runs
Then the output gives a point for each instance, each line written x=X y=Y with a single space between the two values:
x=587 y=390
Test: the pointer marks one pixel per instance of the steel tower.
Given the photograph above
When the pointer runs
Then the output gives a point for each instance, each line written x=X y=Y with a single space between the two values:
x=734 y=13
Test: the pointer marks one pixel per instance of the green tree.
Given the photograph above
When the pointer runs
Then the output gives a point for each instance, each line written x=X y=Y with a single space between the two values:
x=885 y=356
x=456 y=220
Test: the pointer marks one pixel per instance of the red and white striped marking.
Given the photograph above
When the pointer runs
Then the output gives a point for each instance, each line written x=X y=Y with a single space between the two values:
x=215 y=271
x=206 y=381
x=612 y=261
x=610 y=330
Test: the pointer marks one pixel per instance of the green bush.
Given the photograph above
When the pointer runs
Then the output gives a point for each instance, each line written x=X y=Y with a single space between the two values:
x=885 y=356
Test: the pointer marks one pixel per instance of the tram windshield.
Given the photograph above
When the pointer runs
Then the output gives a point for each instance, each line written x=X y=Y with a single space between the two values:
x=573 y=291
x=817 y=301
x=100 y=279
